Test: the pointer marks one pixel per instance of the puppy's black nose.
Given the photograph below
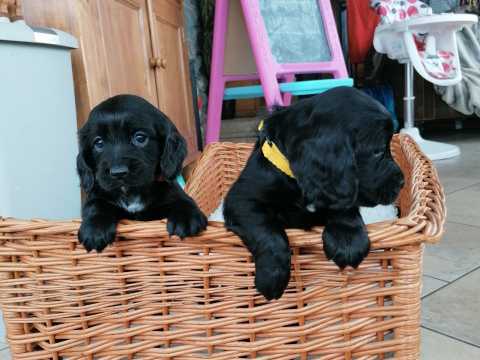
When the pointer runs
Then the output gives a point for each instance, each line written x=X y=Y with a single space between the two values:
x=118 y=171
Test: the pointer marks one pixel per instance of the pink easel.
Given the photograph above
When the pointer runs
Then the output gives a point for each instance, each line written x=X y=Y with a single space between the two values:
x=277 y=79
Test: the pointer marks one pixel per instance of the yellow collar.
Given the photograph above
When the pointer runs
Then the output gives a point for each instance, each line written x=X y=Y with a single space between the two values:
x=273 y=154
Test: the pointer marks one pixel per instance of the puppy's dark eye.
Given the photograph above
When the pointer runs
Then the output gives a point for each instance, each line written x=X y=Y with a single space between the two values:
x=140 y=139
x=98 y=143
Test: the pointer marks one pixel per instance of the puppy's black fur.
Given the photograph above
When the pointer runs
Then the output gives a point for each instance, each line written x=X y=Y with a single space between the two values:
x=337 y=144
x=130 y=155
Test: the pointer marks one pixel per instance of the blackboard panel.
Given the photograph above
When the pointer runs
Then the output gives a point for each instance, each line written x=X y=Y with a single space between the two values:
x=295 y=30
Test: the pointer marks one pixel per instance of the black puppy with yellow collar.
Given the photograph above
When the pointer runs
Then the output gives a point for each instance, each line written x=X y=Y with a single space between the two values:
x=315 y=163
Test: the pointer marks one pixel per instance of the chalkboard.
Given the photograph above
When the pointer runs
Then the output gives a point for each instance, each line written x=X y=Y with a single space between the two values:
x=295 y=31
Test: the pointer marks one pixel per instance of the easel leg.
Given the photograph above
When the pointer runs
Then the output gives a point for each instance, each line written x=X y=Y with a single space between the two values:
x=217 y=82
x=287 y=97
x=266 y=66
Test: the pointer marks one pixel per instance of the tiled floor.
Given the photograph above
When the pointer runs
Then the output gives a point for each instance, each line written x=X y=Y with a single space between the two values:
x=451 y=302
x=451 y=291
x=4 y=353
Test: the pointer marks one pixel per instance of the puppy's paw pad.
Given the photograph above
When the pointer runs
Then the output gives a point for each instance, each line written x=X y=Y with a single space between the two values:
x=185 y=224
x=272 y=274
x=95 y=236
x=346 y=248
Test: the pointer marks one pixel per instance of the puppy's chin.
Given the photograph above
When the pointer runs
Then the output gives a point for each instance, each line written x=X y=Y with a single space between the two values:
x=365 y=201
x=388 y=197
x=128 y=185
x=113 y=187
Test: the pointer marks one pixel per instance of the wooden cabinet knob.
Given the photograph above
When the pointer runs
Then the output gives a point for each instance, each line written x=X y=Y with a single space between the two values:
x=158 y=63
x=153 y=63
x=162 y=62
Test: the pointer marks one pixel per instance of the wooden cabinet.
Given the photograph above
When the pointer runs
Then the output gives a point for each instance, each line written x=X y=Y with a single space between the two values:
x=125 y=39
x=173 y=84
x=126 y=46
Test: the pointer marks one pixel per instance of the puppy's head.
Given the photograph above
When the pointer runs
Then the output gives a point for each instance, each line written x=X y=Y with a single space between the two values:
x=128 y=143
x=338 y=144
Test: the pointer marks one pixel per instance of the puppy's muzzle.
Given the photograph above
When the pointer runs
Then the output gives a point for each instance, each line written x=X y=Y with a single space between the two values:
x=119 y=171
x=392 y=188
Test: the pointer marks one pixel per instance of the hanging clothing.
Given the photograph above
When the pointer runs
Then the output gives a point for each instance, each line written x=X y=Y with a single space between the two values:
x=362 y=21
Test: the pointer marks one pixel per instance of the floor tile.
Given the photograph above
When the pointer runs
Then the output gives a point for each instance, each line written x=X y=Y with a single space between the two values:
x=465 y=138
x=240 y=140
x=452 y=183
x=463 y=206
x=3 y=334
x=462 y=170
x=457 y=253
x=5 y=354
x=239 y=128
x=439 y=347
x=430 y=284
x=465 y=163
x=454 y=309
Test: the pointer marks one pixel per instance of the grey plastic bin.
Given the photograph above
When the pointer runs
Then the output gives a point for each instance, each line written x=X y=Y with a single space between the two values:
x=38 y=142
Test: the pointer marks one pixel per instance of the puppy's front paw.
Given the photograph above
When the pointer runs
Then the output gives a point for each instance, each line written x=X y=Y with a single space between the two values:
x=345 y=245
x=186 y=223
x=272 y=273
x=96 y=235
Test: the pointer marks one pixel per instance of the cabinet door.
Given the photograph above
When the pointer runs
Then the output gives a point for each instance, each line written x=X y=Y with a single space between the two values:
x=172 y=72
x=125 y=33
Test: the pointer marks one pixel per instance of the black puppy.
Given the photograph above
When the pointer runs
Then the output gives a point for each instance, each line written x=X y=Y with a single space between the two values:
x=130 y=155
x=337 y=147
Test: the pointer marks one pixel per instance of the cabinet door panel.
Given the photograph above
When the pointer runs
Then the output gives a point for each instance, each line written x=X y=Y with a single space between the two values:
x=172 y=73
x=126 y=41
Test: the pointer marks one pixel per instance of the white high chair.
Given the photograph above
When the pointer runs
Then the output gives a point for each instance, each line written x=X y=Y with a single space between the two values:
x=399 y=41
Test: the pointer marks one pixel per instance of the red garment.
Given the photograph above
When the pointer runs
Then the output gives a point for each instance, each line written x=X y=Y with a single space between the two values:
x=362 y=21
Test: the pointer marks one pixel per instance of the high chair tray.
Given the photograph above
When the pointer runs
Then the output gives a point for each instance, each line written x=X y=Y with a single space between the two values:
x=431 y=23
x=428 y=42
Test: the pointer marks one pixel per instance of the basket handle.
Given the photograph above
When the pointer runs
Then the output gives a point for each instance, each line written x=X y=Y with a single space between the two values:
x=429 y=209
x=436 y=211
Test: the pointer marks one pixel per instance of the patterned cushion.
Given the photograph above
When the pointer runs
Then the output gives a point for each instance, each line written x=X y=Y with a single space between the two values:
x=437 y=63
x=392 y=11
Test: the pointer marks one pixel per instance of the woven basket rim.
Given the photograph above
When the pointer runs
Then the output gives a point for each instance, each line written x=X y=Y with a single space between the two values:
x=424 y=222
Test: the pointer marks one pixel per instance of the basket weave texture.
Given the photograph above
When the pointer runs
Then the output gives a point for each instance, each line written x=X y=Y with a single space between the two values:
x=153 y=297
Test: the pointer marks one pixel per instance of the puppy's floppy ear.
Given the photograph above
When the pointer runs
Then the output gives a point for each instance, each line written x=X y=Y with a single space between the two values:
x=84 y=169
x=325 y=168
x=173 y=154
x=85 y=173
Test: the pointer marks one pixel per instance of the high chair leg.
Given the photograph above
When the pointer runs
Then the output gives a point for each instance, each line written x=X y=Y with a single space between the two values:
x=409 y=97
x=433 y=149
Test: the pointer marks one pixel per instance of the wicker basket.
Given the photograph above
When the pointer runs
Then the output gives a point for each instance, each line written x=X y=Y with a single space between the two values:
x=154 y=297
